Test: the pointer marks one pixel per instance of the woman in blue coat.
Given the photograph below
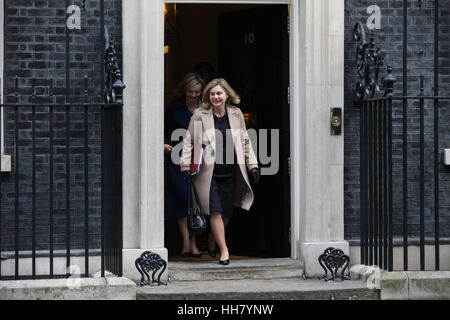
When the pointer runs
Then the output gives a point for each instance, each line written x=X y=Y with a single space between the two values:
x=178 y=116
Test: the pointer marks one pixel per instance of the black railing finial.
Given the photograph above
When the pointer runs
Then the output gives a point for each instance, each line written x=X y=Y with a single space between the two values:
x=16 y=87
x=422 y=87
x=388 y=82
x=369 y=60
x=113 y=76
x=85 y=84
x=50 y=89
x=33 y=85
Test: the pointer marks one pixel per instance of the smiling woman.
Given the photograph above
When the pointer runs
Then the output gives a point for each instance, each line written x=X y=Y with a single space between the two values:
x=221 y=184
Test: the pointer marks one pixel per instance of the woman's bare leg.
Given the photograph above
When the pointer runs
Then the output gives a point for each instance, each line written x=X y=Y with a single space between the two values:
x=182 y=225
x=193 y=241
x=218 y=230
x=211 y=240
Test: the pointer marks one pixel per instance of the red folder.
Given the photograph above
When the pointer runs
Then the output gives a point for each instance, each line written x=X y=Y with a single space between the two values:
x=197 y=159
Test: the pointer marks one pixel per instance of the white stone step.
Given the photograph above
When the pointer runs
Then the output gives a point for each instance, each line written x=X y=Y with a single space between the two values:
x=276 y=268
x=260 y=289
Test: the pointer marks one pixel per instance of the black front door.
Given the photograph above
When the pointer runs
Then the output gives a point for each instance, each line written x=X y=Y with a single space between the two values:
x=254 y=59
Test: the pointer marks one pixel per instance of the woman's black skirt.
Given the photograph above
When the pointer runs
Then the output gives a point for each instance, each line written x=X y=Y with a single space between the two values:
x=221 y=196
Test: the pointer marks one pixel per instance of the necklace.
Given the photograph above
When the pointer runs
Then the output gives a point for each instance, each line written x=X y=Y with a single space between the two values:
x=219 y=113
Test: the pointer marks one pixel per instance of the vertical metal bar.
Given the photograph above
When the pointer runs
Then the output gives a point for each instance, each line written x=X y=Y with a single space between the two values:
x=366 y=174
x=86 y=185
x=51 y=187
x=436 y=184
x=371 y=176
x=68 y=218
x=33 y=186
x=68 y=171
x=380 y=182
x=369 y=182
x=362 y=181
x=114 y=181
x=16 y=183
x=385 y=185
x=375 y=183
x=436 y=135
x=102 y=87
x=1 y=193
x=119 y=186
x=422 y=177
x=102 y=183
x=405 y=143
x=390 y=190
x=405 y=184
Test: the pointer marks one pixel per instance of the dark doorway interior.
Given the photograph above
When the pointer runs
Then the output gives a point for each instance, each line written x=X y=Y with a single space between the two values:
x=248 y=45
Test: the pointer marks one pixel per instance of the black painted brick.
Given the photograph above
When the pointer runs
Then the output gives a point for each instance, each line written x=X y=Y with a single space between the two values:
x=35 y=52
x=420 y=61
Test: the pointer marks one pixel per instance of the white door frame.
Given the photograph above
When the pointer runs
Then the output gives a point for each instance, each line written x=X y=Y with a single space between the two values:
x=316 y=82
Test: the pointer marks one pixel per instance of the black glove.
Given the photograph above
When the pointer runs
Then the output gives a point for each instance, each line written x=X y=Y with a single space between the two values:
x=186 y=174
x=255 y=175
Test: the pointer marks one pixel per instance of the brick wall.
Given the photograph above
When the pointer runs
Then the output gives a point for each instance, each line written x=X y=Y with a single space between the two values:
x=420 y=61
x=35 y=49
x=35 y=52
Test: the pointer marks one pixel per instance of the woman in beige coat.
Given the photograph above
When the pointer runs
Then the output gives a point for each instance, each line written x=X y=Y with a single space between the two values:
x=223 y=181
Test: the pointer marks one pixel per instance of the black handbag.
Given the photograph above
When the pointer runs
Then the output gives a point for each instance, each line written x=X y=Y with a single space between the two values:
x=196 y=217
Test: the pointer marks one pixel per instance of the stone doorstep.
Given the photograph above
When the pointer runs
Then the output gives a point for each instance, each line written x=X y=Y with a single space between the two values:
x=109 y=288
x=415 y=285
x=259 y=289
x=238 y=269
x=273 y=279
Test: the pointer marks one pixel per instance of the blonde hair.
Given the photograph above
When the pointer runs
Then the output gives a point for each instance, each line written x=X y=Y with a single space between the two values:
x=190 y=80
x=232 y=95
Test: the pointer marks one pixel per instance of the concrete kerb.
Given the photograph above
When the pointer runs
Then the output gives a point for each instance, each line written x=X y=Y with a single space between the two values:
x=404 y=285
x=109 y=288
x=394 y=285
x=429 y=285
x=415 y=285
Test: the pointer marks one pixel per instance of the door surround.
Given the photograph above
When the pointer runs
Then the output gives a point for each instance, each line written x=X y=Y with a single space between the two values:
x=316 y=82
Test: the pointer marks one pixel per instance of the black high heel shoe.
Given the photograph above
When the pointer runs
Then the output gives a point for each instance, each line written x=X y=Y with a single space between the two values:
x=212 y=253
x=191 y=255
x=224 y=262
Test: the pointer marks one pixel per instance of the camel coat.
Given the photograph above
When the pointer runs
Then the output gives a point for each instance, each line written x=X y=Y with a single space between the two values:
x=201 y=130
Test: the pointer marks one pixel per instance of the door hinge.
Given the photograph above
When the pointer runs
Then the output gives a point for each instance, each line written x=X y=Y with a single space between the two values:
x=289 y=165
x=289 y=95
x=288 y=26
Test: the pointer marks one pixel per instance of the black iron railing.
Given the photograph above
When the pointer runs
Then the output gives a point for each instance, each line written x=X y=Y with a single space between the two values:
x=61 y=155
x=417 y=172
x=376 y=182
x=400 y=162
x=63 y=196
